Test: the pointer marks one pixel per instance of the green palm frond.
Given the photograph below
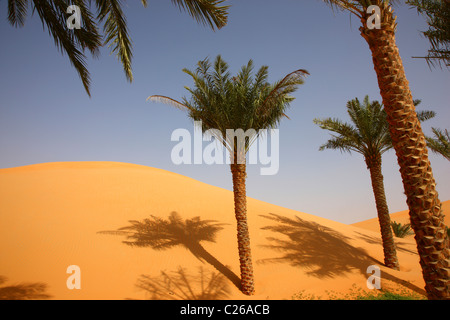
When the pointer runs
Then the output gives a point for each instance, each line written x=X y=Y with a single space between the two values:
x=347 y=139
x=401 y=230
x=440 y=143
x=53 y=15
x=368 y=132
x=116 y=32
x=279 y=94
x=424 y=115
x=244 y=101
x=206 y=12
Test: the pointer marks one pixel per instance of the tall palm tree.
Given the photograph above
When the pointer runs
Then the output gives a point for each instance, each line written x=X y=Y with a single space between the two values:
x=53 y=14
x=369 y=135
x=440 y=143
x=245 y=102
x=427 y=219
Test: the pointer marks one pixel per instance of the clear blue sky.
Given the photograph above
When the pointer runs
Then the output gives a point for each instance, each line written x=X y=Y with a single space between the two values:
x=46 y=116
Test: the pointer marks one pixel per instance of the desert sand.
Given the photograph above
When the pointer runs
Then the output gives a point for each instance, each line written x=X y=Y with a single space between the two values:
x=52 y=215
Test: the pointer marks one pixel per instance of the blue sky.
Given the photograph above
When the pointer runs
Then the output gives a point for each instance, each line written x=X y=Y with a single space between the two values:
x=46 y=116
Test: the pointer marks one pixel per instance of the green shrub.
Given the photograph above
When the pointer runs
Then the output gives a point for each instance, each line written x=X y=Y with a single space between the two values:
x=401 y=230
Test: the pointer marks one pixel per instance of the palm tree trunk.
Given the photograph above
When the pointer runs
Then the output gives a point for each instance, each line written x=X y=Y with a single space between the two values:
x=240 y=208
x=409 y=143
x=390 y=252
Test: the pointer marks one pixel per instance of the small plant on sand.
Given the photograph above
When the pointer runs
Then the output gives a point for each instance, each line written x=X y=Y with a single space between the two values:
x=401 y=230
x=358 y=293
x=390 y=294
x=302 y=295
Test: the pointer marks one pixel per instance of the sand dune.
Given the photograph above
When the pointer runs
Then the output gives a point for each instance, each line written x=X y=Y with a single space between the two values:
x=51 y=215
x=399 y=217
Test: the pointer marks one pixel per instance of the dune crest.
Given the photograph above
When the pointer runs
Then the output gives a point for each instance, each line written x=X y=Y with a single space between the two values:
x=52 y=215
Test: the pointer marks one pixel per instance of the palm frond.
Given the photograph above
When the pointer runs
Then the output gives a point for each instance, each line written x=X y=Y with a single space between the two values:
x=53 y=16
x=281 y=90
x=244 y=102
x=401 y=230
x=347 y=138
x=88 y=36
x=368 y=132
x=17 y=10
x=424 y=115
x=169 y=101
x=116 y=32
x=206 y=12
x=440 y=143
x=351 y=6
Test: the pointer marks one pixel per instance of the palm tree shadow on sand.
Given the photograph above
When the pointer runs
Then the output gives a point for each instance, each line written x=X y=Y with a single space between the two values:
x=162 y=234
x=180 y=285
x=23 y=291
x=323 y=251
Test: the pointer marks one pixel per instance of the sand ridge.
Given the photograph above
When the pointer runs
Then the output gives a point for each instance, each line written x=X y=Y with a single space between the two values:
x=51 y=215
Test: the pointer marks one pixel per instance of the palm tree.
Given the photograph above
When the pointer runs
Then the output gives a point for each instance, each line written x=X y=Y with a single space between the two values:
x=440 y=143
x=427 y=219
x=244 y=102
x=74 y=42
x=369 y=135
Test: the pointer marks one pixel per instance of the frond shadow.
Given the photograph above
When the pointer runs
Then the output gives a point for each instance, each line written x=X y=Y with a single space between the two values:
x=162 y=234
x=324 y=252
x=180 y=285
x=400 y=245
x=23 y=291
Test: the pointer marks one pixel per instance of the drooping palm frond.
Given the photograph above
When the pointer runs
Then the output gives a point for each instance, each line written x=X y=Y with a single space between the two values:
x=170 y=101
x=352 y=6
x=280 y=93
x=437 y=14
x=53 y=15
x=206 y=12
x=116 y=32
x=17 y=10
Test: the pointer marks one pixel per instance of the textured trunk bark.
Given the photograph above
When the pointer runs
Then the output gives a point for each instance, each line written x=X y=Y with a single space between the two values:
x=409 y=143
x=243 y=237
x=389 y=249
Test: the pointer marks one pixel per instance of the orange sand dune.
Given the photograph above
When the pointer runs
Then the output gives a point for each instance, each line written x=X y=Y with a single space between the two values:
x=400 y=217
x=51 y=215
